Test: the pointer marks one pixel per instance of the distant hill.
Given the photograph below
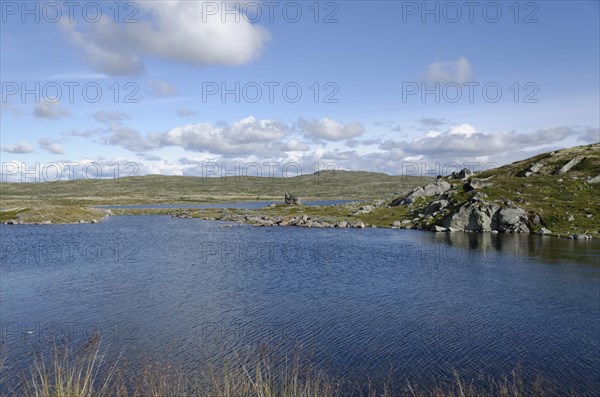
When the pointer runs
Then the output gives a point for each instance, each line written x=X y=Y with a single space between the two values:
x=33 y=200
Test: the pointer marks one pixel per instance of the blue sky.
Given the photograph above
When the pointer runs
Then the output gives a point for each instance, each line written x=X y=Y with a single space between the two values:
x=543 y=56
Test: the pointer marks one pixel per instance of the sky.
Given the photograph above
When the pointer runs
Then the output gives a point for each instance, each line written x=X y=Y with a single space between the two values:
x=99 y=89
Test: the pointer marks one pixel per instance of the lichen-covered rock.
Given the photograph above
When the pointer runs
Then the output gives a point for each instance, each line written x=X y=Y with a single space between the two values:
x=567 y=167
x=513 y=220
x=474 y=216
x=533 y=169
x=432 y=189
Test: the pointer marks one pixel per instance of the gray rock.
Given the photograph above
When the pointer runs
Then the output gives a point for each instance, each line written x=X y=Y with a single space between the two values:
x=341 y=224
x=432 y=189
x=291 y=199
x=397 y=224
x=436 y=206
x=593 y=180
x=359 y=225
x=513 y=220
x=571 y=218
x=439 y=229
x=480 y=217
x=475 y=184
x=567 y=167
x=365 y=209
x=543 y=231
x=533 y=169
x=462 y=174
x=581 y=237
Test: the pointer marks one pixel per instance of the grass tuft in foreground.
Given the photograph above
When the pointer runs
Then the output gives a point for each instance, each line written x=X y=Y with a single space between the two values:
x=85 y=373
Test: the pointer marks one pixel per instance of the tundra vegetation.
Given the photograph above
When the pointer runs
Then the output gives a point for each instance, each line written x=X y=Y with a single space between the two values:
x=555 y=193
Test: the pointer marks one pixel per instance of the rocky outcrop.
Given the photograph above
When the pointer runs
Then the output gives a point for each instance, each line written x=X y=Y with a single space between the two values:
x=292 y=199
x=432 y=189
x=513 y=220
x=481 y=216
x=475 y=184
x=436 y=206
x=567 y=167
x=462 y=174
x=474 y=216
x=533 y=169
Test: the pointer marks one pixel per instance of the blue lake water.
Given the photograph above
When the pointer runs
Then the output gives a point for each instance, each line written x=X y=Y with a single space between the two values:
x=364 y=302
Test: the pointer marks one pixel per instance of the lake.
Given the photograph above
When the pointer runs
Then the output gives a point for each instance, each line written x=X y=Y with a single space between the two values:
x=363 y=302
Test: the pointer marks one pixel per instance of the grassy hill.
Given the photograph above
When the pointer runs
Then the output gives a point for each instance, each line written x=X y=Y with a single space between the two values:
x=68 y=201
x=567 y=203
x=528 y=195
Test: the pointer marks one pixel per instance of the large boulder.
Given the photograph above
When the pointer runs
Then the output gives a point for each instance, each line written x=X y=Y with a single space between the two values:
x=462 y=174
x=513 y=220
x=475 y=184
x=474 y=216
x=533 y=169
x=567 y=167
x=292 y=199
x=432 y=189
x=436 y=206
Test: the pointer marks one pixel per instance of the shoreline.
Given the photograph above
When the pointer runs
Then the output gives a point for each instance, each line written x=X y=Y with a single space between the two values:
x=258 y=218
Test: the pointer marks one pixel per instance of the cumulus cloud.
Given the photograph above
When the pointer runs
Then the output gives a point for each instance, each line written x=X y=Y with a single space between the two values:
x=464 y=140
x=330 y=130
x=458 y=71
x=21 y=147
x=50 y=146
x=242 y=137
x=173 y=30
x=50 y=110
x=590 y=135
x=294 y=145
x=162 y=89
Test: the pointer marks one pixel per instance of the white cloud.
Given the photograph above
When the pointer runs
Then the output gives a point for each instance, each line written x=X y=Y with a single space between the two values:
x=50 y=110
x=463 y=129
x=330 y=130
x=172 y=30
x=458 y=71
x=50 y=146
x=21 y=147
x=464 y=141
x=246 y=136
x=295 y=145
